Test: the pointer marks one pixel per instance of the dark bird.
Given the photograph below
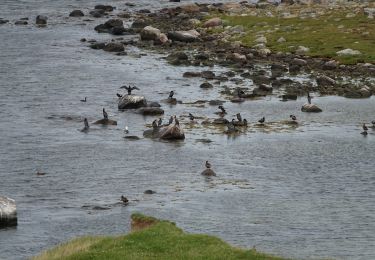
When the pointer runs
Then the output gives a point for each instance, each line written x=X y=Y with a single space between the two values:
x=118 y=95
x=238 y=115
x=126 y=130
x=308 y=98
x=86 y=127
x=262 y=120
x=176 y=121
x=365 y=128
x=160 y=122
x=373 y=122
x=222 y=109
x=40 y=173
x=191 y=117
x=84 y=100
x=171 y=120
x=245 y=122
x=208 y=165
x=105 y=115
x=124 y=200
x=154 y=124
x=293 y=117
x=171 y=94
x=240 y=92
x=129 y=89
x=364 y=133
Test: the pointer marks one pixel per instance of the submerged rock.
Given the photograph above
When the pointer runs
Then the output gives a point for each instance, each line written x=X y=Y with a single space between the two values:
x=114 y=47
x=8 y=212
x=131 y=101
x=41 y=20
x=105 y=121
x=150 y=111
x=311 y=108
x=208 y=172
x=76 y=13
x=184 y=36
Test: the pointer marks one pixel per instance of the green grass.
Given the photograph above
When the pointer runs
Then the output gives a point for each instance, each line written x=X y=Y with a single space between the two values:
x=324 y=35
x=161 y=240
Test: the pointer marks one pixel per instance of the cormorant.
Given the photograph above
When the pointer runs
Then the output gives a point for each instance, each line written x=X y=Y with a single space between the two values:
x=105 y=115
x=238 y=115
x=191 y=117
x=160 y=122
x=262 y=120
x=308 y=98
x=245 y=122
x=293 y=117
x=176 y=121
x=222 y=109
x=84 y=100
x=130 y=89
x=171 y=94
x=208 y=165
x=171 y=120
x=154 y=124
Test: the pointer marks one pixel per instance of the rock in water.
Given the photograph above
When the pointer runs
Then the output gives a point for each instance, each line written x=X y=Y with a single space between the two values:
x=208 y=172
x=105 y=121
x=150 y=33
x=150 y=111
x=8 y=212
x=76 y=13
x=132 y=101
x=114 y=47
x=311 y=108
x=41 y=20
x=172 y=132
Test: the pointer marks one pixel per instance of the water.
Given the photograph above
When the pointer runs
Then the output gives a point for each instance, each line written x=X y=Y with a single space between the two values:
x=303 y=192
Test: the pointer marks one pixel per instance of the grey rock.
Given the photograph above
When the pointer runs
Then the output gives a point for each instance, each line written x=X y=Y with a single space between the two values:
x=76 y=13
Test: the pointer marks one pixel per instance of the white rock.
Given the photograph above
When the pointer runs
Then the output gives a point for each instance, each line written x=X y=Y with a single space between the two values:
x=281 y=40
x=261 y=39
x=302 y=50
x=348 y=52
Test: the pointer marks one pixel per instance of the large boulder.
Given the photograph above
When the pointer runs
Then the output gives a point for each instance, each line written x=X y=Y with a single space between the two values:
x=171 y=132
x=8 y=212
x=41 y=20
x=311 y=108
x=184 y=36
x=150 y=33
x=114 y=26
x=131 y=101
x=213 y=22
x=150 y=111
x=76 y=13
x=325 y=81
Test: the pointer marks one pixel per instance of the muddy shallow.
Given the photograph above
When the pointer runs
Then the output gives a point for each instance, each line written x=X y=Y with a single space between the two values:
x=304 y=192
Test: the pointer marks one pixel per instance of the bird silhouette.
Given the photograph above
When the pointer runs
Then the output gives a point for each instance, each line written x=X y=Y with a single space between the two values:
x=84 y=100
x=262 y=120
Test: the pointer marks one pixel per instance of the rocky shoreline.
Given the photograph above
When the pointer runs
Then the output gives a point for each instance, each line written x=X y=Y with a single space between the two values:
x=186 y=34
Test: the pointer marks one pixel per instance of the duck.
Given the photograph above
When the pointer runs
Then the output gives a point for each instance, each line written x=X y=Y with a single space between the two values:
x=84 y=100
x=171 y=94
x=262 y=120
x=191 y=117
x=293 y=117
x=124 y=200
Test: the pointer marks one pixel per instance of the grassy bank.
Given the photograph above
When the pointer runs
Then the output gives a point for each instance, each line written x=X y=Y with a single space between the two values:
x=323 y=31
x=151 y=239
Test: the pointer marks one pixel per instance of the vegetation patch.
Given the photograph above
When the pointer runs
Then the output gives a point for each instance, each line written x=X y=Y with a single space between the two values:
x=160 y=240
x=324 y=32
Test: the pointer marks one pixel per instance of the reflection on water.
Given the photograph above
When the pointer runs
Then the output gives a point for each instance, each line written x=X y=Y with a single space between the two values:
x=303 y=192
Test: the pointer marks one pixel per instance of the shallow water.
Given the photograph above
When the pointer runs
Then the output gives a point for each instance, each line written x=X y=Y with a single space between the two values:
x=303 y=192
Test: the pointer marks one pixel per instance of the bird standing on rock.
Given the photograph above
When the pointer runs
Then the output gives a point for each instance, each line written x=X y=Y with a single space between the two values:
x=191 y=117
x=222 y=109
x=308 y=98
x=105 y=115
x=154 y=124
x=160 y=122
x=170 y=120
x=171 y=94
x=176 y=121
x=129 y=89
x=238 y=115
x=262 y=120
x=208 y=165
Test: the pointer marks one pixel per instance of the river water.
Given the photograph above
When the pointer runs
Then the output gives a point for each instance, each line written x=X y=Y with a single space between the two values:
x=305 y=192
